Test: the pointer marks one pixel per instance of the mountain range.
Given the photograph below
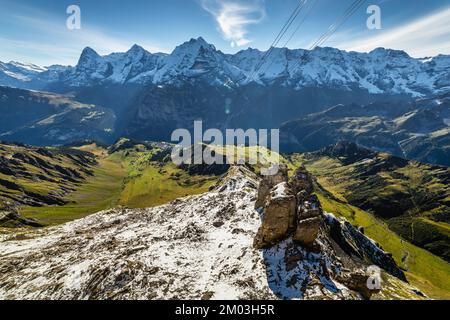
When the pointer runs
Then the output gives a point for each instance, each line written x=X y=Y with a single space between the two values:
x=400 y=103
x=417 y=129
x=380 y=71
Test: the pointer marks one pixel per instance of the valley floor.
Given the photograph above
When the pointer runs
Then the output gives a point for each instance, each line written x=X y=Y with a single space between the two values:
x=129 y=179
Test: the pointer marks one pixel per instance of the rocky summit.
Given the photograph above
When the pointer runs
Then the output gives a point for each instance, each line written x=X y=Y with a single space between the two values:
x=289 y=207
x=201 y=247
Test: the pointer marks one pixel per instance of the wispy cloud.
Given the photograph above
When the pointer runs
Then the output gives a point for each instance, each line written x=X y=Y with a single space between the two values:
x=234 y=18
x=55 y=44
x=427 y=36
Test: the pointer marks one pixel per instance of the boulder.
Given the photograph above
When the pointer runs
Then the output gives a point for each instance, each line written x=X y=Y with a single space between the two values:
x=279 y=216
x=307 y=231
x=309 y=219
x=357 y=280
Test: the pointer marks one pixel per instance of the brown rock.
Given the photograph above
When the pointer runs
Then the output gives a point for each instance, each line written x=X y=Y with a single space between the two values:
x=301 y=180
x=279 y=216
x=307 y=231
x=268 y=182
x=357 y=281
x=309 y=208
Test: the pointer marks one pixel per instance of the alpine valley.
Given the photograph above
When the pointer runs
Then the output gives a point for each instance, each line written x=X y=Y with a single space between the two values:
x=92 y=207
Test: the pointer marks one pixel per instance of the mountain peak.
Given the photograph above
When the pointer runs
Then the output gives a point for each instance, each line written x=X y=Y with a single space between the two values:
x=136 y=49
x=195 y=44
x=199 y=40
x=88 y=55
x=380 y=51
x=88 y=59
x=88 y=51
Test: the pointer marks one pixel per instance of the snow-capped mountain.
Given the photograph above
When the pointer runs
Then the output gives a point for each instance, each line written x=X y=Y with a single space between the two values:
x=151 y=95
x=380 y=71
x=14 y=73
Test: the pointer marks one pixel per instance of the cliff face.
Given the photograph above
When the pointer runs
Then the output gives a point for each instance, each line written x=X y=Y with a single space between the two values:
x=198 y=247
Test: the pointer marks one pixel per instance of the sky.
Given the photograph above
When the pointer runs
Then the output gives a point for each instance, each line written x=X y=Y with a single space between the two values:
x=35 y=31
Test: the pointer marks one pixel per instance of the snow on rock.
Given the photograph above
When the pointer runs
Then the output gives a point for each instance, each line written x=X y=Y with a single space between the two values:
x=193 y=247
x=198 y=247
x=20 y=71
x=380 y=71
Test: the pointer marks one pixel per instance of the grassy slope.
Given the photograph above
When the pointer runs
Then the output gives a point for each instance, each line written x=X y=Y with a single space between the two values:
x=99 y=192
x=127 y=178
x=426 y=271
x=150 y=183
x=410 y=197
x=38 y=175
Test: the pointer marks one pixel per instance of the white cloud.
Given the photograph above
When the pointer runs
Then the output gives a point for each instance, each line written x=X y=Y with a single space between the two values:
x=233 y=18
x=55 y=44
x=427 y=36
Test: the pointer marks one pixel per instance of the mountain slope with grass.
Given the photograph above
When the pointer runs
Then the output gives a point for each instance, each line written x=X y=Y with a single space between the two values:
x=70 y=183
x=42 y=118
x=140 y=175
x=41 y=176
x=197 y=247
x=416 y=130
x=411 y=197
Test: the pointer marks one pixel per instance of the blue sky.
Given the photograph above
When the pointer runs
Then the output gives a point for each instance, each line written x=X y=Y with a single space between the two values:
x=35 y=30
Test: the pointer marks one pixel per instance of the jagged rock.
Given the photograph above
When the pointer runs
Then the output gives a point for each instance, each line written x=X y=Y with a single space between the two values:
x=268 y=182
x=301 y=181
x=309 y=208
x=279 y=216
x=357 y=245
x=357 y=280
x=309 y=219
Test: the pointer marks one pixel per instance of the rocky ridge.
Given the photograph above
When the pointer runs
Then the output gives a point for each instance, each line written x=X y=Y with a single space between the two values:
x=198 y=247
x=291 y=211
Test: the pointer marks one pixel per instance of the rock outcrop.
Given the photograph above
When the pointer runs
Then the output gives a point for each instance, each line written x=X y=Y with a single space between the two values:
x=357 y=245
x=358 y=281
x=289 y=208
x=279 y=216
x=293 y=220
x=10 y=218
x=268 y=182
